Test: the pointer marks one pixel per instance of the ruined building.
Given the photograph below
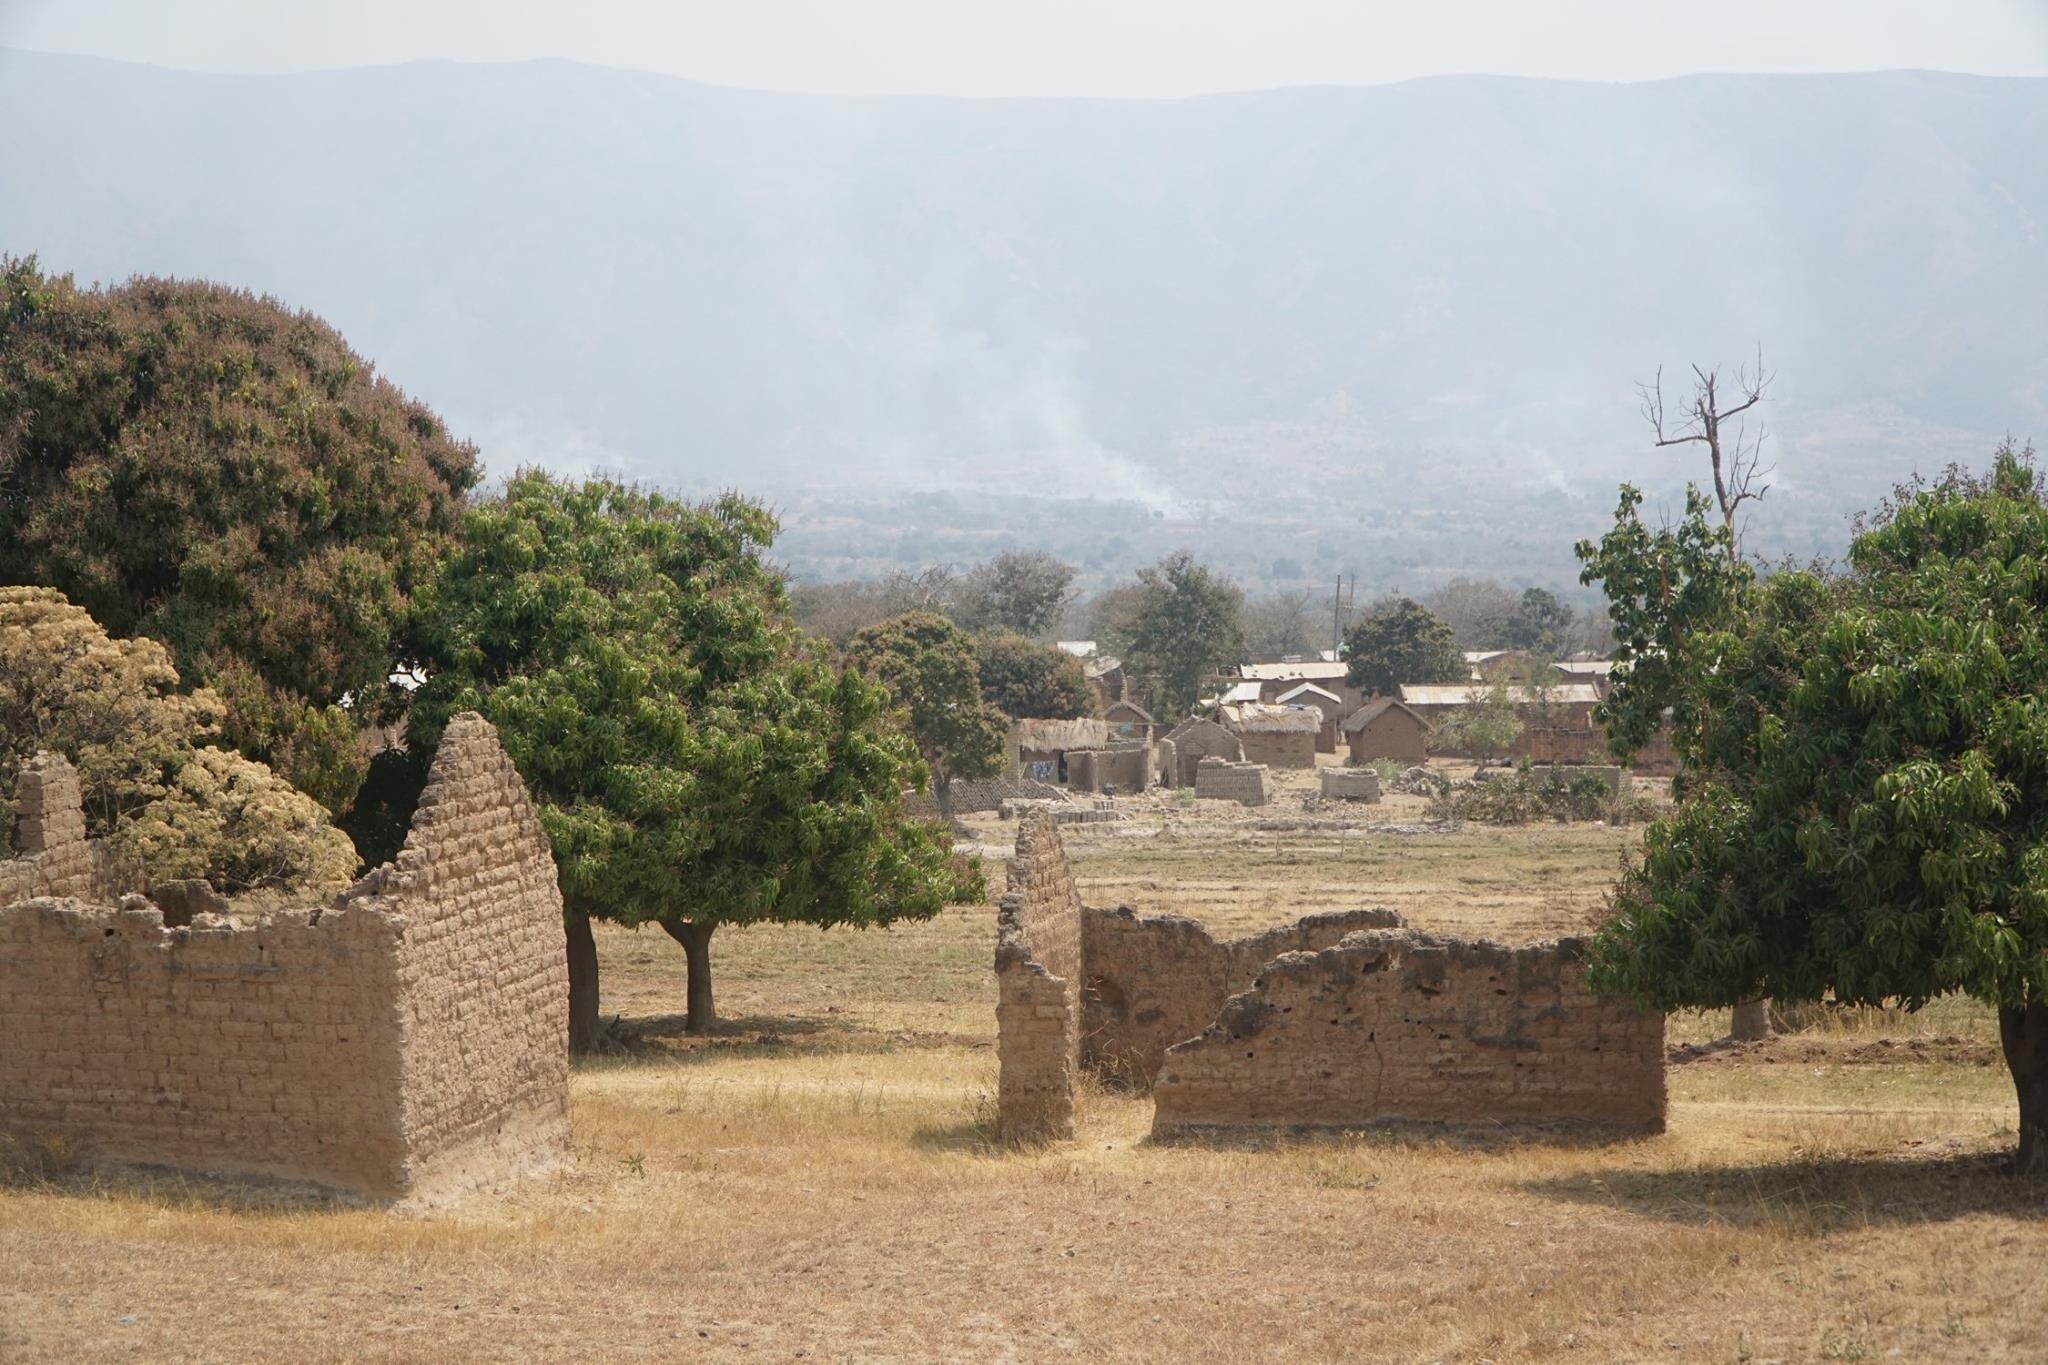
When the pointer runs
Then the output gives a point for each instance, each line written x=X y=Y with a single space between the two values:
x=405 y=1041
x=1344 y=1019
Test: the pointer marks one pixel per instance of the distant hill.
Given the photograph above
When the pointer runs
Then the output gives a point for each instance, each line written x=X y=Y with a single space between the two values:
x=1388 y=329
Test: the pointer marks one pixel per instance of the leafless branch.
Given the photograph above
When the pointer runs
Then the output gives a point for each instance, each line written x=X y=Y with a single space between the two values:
x=1738 y=468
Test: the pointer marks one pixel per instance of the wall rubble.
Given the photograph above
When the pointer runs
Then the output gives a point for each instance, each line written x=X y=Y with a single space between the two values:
x=406 y=1041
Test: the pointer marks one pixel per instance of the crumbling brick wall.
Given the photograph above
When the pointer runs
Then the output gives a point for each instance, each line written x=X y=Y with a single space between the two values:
x=404 y=1042
x=1220 y=779
x=54 y=856
x=1038 y=980
x=1394 y=1025
x=1153 y=981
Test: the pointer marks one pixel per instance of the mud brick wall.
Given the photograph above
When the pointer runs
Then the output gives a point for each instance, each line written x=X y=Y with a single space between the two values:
x=404 y=1042
x=55 y=858
x=1156 y=980
x=1195 y=739
x=1038 y=980
x=1220 y=779
x=1351 y=784
x=1280 y=748
x=1127 y=767
x=1396 y=1026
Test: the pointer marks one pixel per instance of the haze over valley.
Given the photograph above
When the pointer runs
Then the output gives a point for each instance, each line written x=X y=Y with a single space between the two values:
x=1390 y=331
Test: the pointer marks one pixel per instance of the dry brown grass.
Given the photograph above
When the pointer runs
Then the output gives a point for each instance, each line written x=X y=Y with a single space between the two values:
x=816 y=1182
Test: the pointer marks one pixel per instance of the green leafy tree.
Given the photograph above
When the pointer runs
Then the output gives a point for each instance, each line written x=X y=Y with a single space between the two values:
x=213 y=471
x=162 y=796
x=1183 y=624
x=1867 y=809
x=1485 y=726
x=1024 y=593
x=694 y=763
x=1023 y=678
x=1539 y=623
x=1401 y=641
x=927 y=666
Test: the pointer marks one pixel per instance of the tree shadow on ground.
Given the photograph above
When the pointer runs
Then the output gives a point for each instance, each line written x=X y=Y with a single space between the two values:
x=665 y=1040
x=1816 y=1195
x=1395 y=1134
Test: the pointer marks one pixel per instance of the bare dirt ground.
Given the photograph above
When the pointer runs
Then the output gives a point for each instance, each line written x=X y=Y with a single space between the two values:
x=814 y=1182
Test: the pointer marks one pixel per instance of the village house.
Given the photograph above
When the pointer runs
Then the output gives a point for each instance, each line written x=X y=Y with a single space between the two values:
x=1557 y=722
x=1039 y=748
x=1329 y=703
x=1128 y=720
x=1277 y=736
x=1274 y=679
x=1386 y=728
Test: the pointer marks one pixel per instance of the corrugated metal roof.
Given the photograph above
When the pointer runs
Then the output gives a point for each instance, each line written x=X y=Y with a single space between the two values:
x=1237 y=692
x=1460 y=694
x=1310 y=690
x=1308 y=670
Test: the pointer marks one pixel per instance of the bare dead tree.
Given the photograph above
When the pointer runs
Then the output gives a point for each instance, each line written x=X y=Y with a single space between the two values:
x=1739 y=477
x=1737 y=460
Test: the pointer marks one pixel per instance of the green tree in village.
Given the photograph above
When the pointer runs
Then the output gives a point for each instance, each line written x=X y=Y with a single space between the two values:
x=1023 y=593
x=213 y=471
x=1485 y=727
x=695 y=765
x=1023 y=678
x=1401 y=641
x=927 y=666
x=1540 y=623
x=1866 y=807
x=1182 y=625
x=154 y=787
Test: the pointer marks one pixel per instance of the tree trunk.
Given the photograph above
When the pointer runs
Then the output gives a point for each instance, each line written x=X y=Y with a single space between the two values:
x=583 y=1029
x=696 y=941
x=1750 y=1021
x=2024 y=1032
x=942 y=789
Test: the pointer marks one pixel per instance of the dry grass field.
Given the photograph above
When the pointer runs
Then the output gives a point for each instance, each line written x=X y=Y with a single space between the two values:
x=815 y=1181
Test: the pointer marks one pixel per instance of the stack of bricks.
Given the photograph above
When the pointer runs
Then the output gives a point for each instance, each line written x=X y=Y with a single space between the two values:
x=1222 y=780
x=56 y=859
x=406 y=1042
x=1393 y=1026
x=1038 y=977
x=1351 y=784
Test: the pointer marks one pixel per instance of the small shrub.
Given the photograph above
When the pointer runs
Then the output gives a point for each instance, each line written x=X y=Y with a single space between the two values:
x=1530 y=795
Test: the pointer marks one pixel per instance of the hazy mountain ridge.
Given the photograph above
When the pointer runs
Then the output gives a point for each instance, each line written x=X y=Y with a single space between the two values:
x=1364 y=316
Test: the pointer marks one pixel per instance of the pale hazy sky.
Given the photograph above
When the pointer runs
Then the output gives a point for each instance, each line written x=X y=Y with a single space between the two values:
x=1059 y=47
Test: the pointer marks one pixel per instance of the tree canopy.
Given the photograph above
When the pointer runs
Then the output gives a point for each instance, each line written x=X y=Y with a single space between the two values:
x=1866 y=812
x=927 y=666
x=1183 y=623
x=1023 y=678
x=1023 y=593
x=694 y=763
x=161 y=795
x=1401 y=641
x=213 y=471
x=1539 y=623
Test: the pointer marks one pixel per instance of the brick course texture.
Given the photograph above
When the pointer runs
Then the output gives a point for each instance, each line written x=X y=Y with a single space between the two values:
x=1393 y=1026
x=1343 y=1019
x=1038 y=980
x=1195 y=739
x=403 y=1043
x=1221 y=780
x=1154 y=980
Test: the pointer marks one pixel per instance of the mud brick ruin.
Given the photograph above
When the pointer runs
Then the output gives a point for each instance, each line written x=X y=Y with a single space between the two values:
x=404 y=1042
x=1350 y=784
x=1220 y=779
x=1345 y=1019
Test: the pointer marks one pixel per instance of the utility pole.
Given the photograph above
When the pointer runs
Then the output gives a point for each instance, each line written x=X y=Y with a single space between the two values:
x=1338 y=605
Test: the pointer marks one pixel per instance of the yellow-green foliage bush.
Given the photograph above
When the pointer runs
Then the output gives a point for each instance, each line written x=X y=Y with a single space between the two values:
x=153 y=785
